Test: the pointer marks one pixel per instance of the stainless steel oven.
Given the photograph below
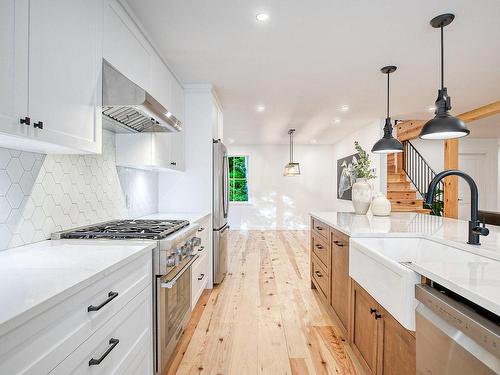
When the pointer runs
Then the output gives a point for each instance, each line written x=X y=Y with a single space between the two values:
x=455 y=336
x=173 y=310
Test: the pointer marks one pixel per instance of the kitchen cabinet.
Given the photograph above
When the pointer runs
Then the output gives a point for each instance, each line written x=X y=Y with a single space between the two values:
x=125 y=47
x=340 y=275
x=53 y=64
x=330 y=248
x=382 y=344
x=150 y=151
x=64 y=337
x=201 y=268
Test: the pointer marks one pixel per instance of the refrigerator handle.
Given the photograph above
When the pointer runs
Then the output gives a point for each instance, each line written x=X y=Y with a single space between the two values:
x=225 y=186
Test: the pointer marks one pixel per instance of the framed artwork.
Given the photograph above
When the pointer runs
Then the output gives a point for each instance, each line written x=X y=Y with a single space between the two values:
x=345 y=176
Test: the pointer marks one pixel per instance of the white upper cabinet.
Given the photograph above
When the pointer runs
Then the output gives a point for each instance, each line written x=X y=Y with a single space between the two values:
x=125 y=47
x=52 y=71
x=161 y=85
x=13 y=67
x=64 y=72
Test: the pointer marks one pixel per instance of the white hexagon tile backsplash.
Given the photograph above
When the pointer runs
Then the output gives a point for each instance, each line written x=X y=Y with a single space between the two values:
x=41 y=194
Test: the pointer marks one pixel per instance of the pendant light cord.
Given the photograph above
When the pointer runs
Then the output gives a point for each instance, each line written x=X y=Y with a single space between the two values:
x=388 y=95
x=442 y=58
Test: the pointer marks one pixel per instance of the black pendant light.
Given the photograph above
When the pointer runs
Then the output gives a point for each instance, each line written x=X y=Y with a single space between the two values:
x=443 y=125
x=387 y=144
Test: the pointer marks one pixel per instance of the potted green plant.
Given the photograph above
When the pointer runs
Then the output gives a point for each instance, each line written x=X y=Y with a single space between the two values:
x=361 y=189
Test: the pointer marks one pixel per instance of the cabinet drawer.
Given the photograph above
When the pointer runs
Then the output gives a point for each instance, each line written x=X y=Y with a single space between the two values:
x=199 y=279
x=339 y=239
x=41 y=343
x=118 y=346
x=320 y=228
x=320 y=248
x=320 y=277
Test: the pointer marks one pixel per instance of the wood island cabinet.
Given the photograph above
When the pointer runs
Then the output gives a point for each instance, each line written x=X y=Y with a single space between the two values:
x=381 y=344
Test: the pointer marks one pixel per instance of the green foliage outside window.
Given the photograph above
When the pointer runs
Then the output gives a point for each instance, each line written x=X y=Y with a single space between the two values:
x=238 y=179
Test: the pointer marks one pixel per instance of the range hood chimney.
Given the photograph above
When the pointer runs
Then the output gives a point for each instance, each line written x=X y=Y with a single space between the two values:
x=131 y=106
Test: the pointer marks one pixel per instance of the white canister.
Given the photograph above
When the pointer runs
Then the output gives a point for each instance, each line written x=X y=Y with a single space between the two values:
x=381 y=206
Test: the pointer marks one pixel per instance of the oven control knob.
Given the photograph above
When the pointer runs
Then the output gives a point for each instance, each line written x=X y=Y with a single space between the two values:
x=195 y=241
x=185 y=249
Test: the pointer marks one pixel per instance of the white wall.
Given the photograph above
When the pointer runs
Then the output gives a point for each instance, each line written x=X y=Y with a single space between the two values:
x=279 y=202
x=366 y=136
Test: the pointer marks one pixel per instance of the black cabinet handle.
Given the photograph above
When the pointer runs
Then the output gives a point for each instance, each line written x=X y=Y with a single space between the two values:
x=318 y=246
x=173 y=163
x=372 y=310
x=338 y=243
x=38 y=125
x=26 y=121
x=112 y=343
x=201 y=229
x=318 y=274
x=377 y=316
x=319 y=228
x=201 y=248
x=111 y=296
x=202 y=275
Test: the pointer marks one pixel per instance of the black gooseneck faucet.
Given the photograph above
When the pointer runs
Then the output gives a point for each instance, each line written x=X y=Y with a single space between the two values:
x=475 y=228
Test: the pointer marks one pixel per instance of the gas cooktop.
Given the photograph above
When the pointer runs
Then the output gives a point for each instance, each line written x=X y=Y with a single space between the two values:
x=124 y=229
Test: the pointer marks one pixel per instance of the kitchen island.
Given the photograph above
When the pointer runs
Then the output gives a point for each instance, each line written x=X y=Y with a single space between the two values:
x=378 y=261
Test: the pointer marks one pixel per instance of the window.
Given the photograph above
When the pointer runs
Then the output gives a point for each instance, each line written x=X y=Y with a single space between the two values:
x=238 y=179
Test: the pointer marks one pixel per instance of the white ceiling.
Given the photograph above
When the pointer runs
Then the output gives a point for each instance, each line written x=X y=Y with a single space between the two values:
x=488 y=127
x=313 y=56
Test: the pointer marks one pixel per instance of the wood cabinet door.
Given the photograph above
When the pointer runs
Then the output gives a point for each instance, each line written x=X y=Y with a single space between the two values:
x=340 y=277
x=65 y=60
x=363 y=333
x=397 y=347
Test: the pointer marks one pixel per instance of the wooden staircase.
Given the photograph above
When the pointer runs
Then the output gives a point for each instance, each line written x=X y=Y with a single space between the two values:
x=401 y=194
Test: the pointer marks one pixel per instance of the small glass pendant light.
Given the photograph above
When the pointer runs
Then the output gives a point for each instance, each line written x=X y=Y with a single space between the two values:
x=443 y=125
x=291 y=169
x=387 y=144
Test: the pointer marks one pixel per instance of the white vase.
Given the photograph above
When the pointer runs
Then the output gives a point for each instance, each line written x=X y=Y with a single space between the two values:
x=381 y=206
x=361 y=196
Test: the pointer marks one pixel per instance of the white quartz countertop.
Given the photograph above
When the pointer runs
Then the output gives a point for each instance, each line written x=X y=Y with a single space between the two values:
x=193 y=217
x=470 y=271
x=37 y=276
x=450 y=232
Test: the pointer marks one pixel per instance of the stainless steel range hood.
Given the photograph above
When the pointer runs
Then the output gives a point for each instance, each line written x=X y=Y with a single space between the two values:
x=131 y=106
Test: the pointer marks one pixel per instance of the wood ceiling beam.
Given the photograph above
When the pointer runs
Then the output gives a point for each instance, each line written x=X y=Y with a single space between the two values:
x=481 y=112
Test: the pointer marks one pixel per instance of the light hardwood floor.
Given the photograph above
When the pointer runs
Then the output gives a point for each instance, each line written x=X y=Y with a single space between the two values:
x=264 y=318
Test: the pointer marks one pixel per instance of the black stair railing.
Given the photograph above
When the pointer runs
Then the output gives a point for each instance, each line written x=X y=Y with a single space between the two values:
x=420 y=174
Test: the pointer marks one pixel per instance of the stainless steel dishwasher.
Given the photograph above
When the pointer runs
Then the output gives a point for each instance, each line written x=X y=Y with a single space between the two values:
x=455 y=336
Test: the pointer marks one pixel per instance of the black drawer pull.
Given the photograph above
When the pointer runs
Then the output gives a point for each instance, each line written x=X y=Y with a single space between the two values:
x=112 y=343
x=201 y=229
x=318 y=274
x=372 y=310
x=319 y=228
x=201 y=248
x=338 y=243
x=318 y=246
x=202 y=275
x=25 y=121
x=38 y=125
x=377 y=316
x=111 y=296
x=173 y=163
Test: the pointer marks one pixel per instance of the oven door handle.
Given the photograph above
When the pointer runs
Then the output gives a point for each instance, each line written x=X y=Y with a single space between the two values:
x=170 y=283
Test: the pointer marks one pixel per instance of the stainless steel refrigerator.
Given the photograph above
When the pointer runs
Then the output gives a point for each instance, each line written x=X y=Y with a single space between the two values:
x=220 y=210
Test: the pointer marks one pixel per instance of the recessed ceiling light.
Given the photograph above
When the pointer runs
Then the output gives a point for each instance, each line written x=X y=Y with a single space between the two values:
x=431 y=108
x=344 y=108
x=262 y=17
x=336 y=120
x=260 y=108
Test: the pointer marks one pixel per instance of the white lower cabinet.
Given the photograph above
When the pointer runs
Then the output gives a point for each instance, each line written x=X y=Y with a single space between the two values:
x=201 y=270
x=120 y=343
x=118 y=304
